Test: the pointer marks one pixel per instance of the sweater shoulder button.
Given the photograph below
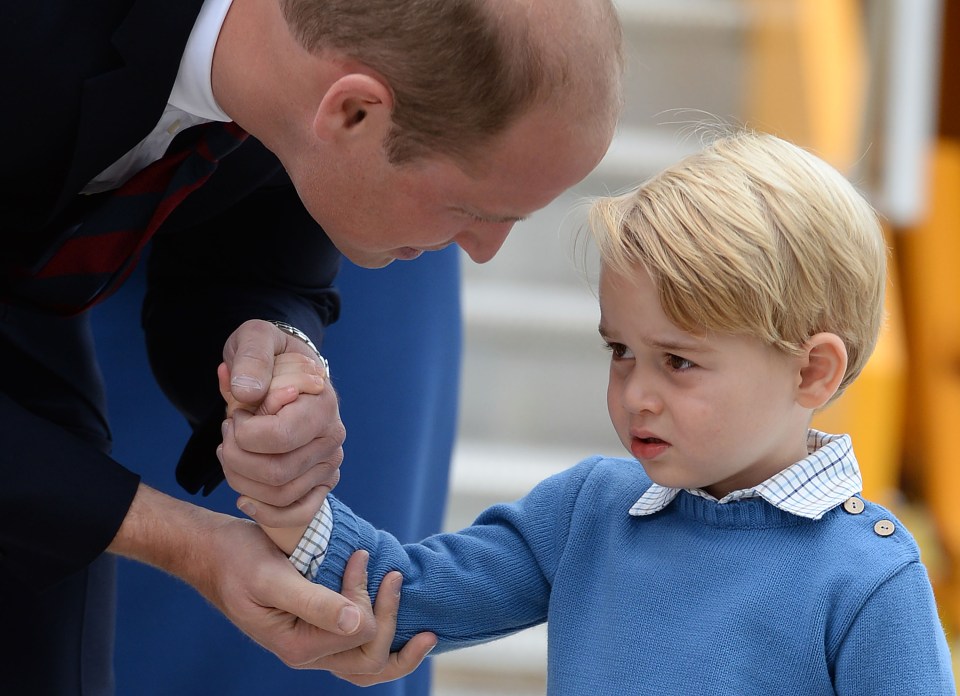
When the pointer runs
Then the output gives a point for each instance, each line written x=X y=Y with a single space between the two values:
x=884 y=528
x=853 y=505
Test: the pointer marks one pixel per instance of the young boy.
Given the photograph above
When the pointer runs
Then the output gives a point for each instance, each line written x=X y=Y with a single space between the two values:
x=740 y=291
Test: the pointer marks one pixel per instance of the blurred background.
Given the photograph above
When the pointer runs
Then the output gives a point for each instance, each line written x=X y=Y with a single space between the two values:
x=872 y=86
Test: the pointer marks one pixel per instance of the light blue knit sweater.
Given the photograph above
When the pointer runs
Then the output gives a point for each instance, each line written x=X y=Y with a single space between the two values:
x=699 y=598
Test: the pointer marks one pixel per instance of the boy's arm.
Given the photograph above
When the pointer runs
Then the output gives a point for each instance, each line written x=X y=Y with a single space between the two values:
x=482 y=583
x=896 y=644
x=286 y=538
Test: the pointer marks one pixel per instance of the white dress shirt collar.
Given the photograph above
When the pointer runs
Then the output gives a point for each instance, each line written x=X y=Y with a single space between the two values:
x=827 y=477
x=193 y=92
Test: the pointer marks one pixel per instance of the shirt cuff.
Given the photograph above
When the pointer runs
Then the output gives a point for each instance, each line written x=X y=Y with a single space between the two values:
x=312 y=549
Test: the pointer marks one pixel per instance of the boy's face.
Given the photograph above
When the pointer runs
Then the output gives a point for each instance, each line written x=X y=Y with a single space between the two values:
x=716 y=412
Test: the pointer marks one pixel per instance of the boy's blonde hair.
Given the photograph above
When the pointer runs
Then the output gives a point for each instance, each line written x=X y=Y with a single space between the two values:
x=754 y=236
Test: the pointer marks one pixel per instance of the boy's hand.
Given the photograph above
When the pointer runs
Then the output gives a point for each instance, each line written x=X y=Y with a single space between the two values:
x=373 y=663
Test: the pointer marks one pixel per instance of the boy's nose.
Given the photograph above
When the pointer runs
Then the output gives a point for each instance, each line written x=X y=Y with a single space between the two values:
x=639 y=394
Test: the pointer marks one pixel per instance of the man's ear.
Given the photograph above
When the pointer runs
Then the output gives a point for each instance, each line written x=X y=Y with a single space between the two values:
x=823 y=366
x=356 y=103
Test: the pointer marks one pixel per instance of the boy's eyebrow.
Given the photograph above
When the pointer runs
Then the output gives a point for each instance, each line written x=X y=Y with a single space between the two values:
x=672 y=346
x=667 y=345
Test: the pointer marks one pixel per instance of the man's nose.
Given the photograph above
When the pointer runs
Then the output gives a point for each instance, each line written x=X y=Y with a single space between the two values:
x=483 y=242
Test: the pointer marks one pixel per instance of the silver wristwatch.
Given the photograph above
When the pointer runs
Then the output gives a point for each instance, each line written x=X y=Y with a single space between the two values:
x=297 y=333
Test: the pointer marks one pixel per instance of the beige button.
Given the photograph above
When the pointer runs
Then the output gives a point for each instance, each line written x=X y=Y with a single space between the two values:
x=884 y=528
x=853 y=505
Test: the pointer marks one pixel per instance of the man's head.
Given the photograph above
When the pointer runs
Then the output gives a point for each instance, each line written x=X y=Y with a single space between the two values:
x=416 y=124
x=410 y=125
x=461 y=71
x=755 y=236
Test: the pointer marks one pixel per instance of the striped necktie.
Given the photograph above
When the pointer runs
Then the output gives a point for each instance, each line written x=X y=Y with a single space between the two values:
x=99 y=253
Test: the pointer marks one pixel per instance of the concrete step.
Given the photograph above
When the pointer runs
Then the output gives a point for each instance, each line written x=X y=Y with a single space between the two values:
x=483 y=474
x=513 y=666
x=535 y=370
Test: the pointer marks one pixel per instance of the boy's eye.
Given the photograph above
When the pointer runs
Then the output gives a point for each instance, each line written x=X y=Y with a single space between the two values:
x=618 y=349
x=675 y=362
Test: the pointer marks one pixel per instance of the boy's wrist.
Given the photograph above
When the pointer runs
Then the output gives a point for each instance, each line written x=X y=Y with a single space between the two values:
x=287 y=538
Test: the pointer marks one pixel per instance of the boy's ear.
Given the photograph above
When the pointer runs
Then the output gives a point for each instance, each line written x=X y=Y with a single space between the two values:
x=822 y=368
x=355 y=104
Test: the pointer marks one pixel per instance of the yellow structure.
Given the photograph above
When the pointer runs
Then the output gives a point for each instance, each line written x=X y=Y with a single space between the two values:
x=930 y=258
x=808 y=74
x=808 y=82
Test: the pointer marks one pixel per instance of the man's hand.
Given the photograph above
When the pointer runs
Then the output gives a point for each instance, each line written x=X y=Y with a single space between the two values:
x=281 y=464
x=293 y=374
x=242 y=573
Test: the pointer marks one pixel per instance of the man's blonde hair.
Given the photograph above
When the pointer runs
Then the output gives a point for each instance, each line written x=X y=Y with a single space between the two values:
x=754 y=236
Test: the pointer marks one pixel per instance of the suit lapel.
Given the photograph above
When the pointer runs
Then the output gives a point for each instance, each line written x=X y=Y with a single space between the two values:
x=120 y=107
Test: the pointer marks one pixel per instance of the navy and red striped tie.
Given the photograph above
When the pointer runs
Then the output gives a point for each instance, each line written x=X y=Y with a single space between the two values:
x=102 y=250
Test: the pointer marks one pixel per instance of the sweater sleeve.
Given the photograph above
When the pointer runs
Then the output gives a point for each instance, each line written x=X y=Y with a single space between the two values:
x=482 y=583
x=896 y=644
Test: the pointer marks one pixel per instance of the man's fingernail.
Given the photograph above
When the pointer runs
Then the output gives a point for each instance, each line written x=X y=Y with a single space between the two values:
x=247 y=508
x=246 y=382
x=349 y=620
x=220 y=454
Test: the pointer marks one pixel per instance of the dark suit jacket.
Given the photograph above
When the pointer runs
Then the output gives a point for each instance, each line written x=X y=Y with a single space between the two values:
x=83 y=83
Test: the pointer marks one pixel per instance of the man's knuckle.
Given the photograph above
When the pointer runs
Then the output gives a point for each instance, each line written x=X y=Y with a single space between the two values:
x=294 y=656
x=285 y=434
x=338 y=432
x=274 y=472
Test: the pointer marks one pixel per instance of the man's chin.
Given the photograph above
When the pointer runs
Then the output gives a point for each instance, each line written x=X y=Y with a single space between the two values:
x=367 y=259
x=371 y=261
x=407 y=254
